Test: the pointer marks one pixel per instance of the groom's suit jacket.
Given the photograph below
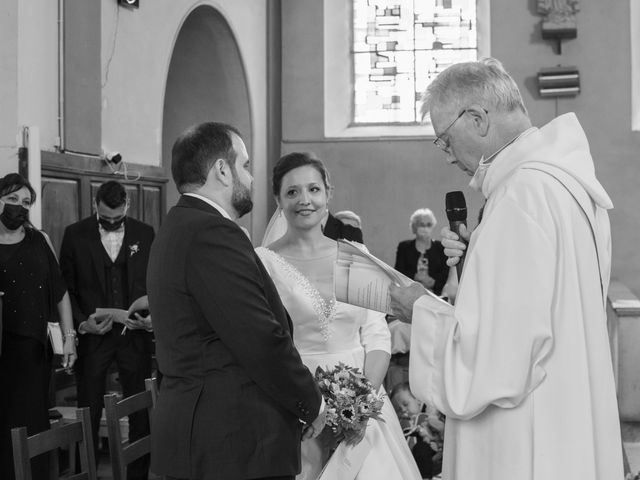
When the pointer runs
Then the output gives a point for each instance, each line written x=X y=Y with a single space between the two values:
x=234 y=388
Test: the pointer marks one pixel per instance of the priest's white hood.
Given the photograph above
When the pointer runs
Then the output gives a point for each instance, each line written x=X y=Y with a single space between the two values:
x=561 y=143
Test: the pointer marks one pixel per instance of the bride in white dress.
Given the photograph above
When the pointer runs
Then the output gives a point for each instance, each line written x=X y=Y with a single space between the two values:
x=325 y=331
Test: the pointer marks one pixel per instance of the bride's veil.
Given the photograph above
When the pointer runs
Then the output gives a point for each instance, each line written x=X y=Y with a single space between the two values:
x=276 y=228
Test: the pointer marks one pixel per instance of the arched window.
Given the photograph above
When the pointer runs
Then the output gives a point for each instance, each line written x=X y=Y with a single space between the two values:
x=395 y=49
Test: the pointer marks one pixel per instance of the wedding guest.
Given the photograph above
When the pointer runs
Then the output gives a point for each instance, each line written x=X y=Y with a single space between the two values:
x=334 y=228
x=33 y=292
x=326 y=331
x=422 y=423
x=521 y=366
x=349 y=218
x=104 y=262
x=422 y=258
x=234 y=390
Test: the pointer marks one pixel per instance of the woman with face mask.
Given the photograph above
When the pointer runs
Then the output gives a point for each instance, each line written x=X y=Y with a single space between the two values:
x=33 y=289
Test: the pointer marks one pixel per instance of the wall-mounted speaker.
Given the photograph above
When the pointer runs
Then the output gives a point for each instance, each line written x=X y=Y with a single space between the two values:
x=559 y=82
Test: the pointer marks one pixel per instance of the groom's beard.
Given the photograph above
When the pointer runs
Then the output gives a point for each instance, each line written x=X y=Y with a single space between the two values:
x=240 y=197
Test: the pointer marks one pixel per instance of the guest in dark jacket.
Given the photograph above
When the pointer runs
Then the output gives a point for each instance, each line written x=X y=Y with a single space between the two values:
x=104 y=262
x=33 y=291
x=335 y=229
x=422 y=258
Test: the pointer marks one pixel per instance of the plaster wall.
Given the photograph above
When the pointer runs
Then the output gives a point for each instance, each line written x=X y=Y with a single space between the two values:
x=136 y=48
x=29 y=75
x=135 y=62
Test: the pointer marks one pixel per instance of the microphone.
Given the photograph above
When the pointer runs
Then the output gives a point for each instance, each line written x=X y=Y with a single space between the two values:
x=456 y=208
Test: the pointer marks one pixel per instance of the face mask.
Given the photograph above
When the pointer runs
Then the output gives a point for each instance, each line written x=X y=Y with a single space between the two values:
x=14 y=216
x=478 y=177
x=108 y=226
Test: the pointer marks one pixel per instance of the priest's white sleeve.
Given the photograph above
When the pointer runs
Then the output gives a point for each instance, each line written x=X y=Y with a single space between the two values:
x=491 y=349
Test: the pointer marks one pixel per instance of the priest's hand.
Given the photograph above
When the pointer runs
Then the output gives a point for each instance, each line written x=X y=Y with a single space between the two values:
x=403 y=298
x=453 y=246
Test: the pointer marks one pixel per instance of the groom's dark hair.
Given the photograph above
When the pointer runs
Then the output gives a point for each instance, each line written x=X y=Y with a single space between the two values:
x=197 y=149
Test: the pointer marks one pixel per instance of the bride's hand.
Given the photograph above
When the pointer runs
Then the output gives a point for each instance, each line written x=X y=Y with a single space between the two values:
x=356 y=439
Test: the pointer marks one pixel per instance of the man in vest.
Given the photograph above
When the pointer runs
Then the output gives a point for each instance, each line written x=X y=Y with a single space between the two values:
x=104 y=262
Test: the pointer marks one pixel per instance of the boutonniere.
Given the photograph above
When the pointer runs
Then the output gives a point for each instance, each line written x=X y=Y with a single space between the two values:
x=134 y=248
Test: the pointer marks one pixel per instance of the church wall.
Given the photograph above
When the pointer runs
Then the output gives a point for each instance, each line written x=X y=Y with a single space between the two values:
x=385 y=180
x=28 y=77
x=135 y=51
x=8 y=85
x=133 y=96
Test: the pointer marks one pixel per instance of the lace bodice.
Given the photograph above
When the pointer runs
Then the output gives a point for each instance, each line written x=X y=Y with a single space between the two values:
x=320 y=323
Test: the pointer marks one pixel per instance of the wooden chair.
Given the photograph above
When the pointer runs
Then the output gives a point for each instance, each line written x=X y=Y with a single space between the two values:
x=151 y=385
x=70 y=434
x=121 y=450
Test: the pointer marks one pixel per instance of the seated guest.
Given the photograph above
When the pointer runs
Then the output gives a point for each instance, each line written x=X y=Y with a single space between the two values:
x=424 y=428
x=335 y=229
x=422 y=258
x=33 y=291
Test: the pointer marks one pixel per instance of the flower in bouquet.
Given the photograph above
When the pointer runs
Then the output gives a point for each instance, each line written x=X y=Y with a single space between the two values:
x=350 y=401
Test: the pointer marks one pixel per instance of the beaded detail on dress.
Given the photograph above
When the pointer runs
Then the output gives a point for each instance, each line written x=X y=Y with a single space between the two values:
x=325 y=311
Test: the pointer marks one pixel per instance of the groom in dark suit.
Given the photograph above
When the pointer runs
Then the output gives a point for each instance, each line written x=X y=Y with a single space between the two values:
x=104 y=263
x=235 y=398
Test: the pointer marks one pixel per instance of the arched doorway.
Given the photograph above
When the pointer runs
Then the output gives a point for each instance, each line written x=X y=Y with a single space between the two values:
x=206 y=82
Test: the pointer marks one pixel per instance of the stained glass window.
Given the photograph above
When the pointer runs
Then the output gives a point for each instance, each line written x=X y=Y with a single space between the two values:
x=399 y=46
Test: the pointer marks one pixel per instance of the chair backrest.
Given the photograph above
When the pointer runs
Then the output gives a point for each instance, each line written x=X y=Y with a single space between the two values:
x=151 y=385
x=121 y=450
x=70 y=434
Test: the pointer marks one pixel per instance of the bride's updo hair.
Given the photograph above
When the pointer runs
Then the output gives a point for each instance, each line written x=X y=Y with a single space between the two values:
x=295 y=160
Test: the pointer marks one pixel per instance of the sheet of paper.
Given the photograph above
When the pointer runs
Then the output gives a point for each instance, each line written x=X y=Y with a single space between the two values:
x=119 y=315
x=362 y=279
x=368 y=287
x=55 y=337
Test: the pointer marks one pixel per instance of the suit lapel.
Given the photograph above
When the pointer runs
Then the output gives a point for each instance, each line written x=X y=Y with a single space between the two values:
x=97 y=253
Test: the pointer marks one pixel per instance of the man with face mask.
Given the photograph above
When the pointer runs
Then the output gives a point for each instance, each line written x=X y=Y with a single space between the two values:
x=104 y=262
x=521 y=366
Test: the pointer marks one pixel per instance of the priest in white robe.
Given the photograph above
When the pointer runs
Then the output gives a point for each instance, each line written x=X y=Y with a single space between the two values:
x=521 y=366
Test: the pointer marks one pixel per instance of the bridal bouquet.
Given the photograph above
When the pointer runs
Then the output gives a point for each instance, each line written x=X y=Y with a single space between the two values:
x=350 y=401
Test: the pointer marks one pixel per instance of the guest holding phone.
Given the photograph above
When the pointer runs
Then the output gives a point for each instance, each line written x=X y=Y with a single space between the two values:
x=33 y=289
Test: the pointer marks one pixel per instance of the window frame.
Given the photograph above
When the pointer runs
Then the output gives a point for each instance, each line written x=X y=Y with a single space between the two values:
x=338 y=75
x=634 y=7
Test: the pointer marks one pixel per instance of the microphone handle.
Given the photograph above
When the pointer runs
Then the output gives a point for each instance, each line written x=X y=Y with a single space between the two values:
x=454 y=226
